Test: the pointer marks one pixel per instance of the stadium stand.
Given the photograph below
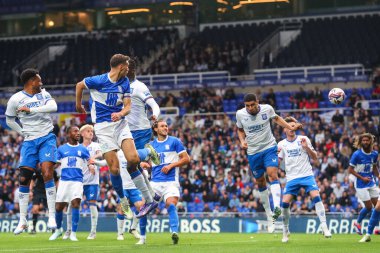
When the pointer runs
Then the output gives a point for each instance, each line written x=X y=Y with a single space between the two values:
x=218 y=174
x=333 y=41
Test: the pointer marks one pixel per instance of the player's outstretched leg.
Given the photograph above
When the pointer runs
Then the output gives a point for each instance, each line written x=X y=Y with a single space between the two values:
x=373 y=222
x=286 y=214
x=120 y=226
x=139 y=181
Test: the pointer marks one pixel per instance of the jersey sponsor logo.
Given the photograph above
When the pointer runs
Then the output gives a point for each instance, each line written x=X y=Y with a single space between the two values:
x=47 y=154
x=264 y=116
x=72 y=162
x=255 y=128
x=111 y=99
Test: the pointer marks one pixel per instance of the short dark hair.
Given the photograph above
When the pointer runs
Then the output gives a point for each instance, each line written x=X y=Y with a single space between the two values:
x=68 y=129
x=250 y=97
x=133 y=63
x=28 y=74
x=290 y=119
x=118 y=59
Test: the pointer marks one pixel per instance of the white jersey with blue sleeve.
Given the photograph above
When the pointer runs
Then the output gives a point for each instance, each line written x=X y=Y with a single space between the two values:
x=257 y=128
x=138 y=118
x=363 y=164
x=125 y=177
x=88 y=177
x=169 y=151
x=106 y=96
x=34 y=125
x=296 y=158
x=73 y=160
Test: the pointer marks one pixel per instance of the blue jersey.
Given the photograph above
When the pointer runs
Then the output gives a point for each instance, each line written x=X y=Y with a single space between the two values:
x=363 y=164
x=169 y=151
x=73 y=161
x=106 y=96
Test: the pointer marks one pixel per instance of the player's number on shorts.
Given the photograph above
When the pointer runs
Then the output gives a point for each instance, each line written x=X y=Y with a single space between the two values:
x=72 y=162
x=111 y=99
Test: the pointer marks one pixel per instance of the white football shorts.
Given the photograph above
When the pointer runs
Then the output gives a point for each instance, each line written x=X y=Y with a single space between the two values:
x=111 y=134
x=166 y=189
x=69 y=190
x=365 y=194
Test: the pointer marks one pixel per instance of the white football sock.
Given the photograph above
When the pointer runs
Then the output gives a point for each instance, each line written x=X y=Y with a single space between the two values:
x=264 y=197
x=94 y=217
x=320 y=209
x=276 y=194
x=68 y=218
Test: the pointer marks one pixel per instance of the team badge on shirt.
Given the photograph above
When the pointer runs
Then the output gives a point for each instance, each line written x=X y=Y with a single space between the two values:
x=167 y=147
x=264 y=116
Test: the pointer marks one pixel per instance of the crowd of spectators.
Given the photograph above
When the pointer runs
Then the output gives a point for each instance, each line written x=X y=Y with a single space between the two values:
x=218 y=178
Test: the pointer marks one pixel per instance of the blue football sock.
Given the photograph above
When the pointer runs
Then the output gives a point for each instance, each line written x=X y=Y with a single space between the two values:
x=173 y=218
x=143 y=154
x=362 y=214
x=143 y=222
x=75 y=219
x=58 y=219
x=117 y=184
x=373 y=221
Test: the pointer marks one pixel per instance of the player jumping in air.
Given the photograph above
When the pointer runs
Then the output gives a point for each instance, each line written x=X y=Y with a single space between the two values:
x=256 y=136
x=110 y=93
x=295 y=151
x=32 y=106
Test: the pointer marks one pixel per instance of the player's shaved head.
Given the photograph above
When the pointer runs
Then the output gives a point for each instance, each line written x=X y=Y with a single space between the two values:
x=118 y=59
x=28 y=74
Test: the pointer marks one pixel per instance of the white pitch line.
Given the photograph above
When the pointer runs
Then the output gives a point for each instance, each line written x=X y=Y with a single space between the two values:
x=120 y=246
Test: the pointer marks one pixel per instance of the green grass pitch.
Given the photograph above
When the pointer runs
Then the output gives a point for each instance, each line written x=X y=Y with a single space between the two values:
x=211 y=243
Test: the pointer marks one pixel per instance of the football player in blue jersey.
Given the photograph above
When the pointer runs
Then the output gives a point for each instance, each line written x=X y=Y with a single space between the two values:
x=73 y=158
x=111 y=102
x=363 y=165
x=165 y=176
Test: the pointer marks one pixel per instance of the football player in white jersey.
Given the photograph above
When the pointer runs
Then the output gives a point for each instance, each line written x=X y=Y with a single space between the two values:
x=295 y=151
x=134 y=196
x=255 y=135
x=165 y=176
x=138 y=121
x=110 y=93
x=32 y=106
